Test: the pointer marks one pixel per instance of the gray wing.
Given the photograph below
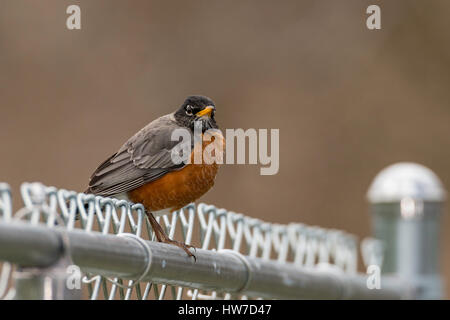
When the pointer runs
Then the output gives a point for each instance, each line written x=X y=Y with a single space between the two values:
x=142 y=159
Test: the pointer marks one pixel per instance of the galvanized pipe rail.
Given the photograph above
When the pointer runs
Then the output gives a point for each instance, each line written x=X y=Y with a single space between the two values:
x=128 y=258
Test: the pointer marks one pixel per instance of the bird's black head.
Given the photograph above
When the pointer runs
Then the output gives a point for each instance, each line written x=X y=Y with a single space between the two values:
x=197 y=108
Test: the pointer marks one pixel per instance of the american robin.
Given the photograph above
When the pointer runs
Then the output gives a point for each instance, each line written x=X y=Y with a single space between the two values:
x=143 y=170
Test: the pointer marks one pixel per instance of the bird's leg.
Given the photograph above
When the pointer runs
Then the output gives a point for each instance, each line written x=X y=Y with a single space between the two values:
x=161 y=236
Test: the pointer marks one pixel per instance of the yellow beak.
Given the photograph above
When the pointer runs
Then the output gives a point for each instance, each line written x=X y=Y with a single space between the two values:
x=205 y=112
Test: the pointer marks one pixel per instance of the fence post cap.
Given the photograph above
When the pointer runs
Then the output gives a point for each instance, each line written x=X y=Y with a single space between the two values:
x=406 y=180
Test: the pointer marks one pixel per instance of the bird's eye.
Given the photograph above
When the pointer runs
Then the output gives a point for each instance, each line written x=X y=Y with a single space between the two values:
x=189 y=110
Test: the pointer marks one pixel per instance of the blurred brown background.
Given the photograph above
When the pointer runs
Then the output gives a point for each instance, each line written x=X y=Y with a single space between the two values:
x=348 y=101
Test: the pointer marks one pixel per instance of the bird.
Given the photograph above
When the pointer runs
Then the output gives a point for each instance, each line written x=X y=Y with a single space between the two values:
x=143 y=171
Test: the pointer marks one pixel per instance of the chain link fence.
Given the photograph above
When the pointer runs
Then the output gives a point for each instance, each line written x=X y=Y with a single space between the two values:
x=238 y=257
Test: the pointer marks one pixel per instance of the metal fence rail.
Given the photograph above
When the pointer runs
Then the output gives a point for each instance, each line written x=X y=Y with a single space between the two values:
x=109 y=255
x=112 y=242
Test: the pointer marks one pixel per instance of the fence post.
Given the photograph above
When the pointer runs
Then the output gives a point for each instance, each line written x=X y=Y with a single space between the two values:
x=406 y=207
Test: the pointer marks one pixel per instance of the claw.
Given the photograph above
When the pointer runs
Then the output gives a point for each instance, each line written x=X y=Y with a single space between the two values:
x=161 y=236
x=183 y=246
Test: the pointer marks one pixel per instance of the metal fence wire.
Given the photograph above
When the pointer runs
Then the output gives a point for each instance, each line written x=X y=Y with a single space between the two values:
x=204 y=226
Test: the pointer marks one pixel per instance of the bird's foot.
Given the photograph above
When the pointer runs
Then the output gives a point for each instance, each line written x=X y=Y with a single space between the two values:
x=161 y=236
x=181 y=245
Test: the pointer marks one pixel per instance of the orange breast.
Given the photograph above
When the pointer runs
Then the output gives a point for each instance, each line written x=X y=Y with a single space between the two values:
x=176 y=189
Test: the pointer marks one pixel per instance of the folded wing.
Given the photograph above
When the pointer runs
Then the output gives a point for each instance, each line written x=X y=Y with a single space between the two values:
x=144 y=158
